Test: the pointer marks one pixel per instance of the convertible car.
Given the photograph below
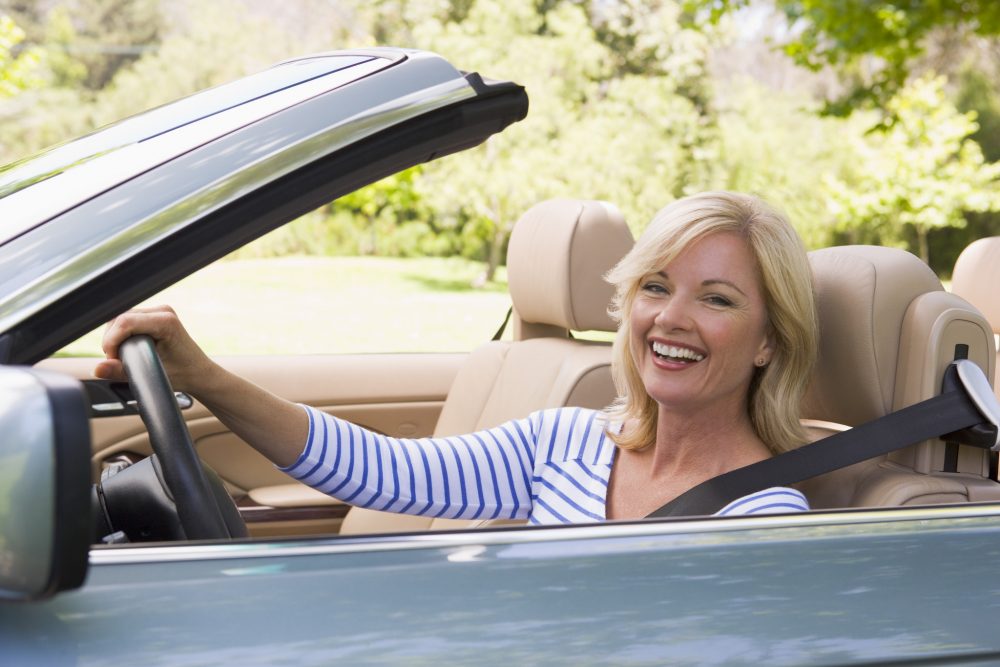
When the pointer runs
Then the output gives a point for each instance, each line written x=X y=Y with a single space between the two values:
x=207 y=554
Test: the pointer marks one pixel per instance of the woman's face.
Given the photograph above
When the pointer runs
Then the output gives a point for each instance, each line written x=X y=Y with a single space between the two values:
x=699 y=325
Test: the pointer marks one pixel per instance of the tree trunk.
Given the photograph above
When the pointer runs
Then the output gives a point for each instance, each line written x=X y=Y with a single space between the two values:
x=925 y=253
x=493 y=261
x=500 y=233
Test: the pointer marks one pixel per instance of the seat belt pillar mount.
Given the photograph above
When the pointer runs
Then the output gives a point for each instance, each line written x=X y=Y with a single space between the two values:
x=970 y=378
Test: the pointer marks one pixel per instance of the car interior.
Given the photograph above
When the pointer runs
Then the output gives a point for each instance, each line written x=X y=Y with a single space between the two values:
x=888 y=331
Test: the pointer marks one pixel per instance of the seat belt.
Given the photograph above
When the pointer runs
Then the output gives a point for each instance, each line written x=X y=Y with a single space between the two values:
x=503 y=325
x=966 y=412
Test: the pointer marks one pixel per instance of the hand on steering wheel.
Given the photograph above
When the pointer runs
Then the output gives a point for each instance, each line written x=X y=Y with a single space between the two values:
x=196 y=500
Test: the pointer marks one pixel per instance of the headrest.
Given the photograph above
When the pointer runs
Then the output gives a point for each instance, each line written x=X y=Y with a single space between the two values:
x=977 y=276
x=862 y=295
x=558 y=254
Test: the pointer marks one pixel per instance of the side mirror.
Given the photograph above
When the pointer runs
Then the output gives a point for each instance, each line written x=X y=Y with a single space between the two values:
x=44 y=484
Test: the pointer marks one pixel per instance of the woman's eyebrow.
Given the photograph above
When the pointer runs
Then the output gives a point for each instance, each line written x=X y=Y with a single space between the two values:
x=707 y=283
x=720 y=281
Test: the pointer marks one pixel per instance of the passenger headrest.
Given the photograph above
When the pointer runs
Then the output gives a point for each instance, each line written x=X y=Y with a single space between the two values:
x=976 y=278
x=862 y=295
x=558 y=254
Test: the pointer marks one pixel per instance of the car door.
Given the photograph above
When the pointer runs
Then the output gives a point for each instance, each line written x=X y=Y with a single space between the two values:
x=873 y=587
x=396 y=394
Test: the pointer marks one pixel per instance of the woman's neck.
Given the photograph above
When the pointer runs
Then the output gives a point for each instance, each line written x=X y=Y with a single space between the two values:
x=688 y=450
x=706 y=442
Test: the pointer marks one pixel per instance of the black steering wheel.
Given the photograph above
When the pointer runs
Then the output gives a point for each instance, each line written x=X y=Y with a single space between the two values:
x=195 y=494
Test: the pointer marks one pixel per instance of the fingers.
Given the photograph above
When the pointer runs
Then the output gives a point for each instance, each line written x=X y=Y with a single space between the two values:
x=159 y=322
x=181 y=356
x=110 y=369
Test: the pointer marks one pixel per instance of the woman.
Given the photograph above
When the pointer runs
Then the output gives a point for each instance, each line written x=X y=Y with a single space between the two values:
x=716 y=340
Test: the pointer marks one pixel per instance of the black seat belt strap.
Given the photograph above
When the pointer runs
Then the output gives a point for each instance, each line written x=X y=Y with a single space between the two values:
x=959 y=407
x=503 y=325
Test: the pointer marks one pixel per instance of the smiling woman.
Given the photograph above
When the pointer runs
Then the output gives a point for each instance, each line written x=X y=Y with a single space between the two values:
x=702 y=427
x=717 y=336
x=709 y=308
x=747 y=258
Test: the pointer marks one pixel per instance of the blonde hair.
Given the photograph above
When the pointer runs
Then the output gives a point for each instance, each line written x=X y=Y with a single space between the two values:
x=776 y=389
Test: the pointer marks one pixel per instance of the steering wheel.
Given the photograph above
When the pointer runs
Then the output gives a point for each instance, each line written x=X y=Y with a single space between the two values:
x=193 y=492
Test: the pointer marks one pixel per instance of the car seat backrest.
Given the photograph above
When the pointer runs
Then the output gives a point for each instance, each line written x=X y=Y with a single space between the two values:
x=558 y=254
x=888 y=330
x=976 y=278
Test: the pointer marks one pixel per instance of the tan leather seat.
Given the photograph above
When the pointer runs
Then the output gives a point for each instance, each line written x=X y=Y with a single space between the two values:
x=558 y=254
x=888 y=330
x=976 y=279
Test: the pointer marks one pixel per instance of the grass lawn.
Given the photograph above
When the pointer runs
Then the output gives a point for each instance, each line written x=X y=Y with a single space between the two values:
x=306 y=305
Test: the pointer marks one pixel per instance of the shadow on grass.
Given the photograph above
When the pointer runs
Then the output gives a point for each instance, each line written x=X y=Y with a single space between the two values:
x=454 y=284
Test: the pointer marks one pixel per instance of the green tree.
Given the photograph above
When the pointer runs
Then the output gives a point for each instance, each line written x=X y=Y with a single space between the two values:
x=596 y=129
x=204 y=44
x=874 y=42
x=18 y=70
x=977 y=92
x=216 y=43
x=775 y=145
x=91 y=39
x=920 y=174
x=383 y=209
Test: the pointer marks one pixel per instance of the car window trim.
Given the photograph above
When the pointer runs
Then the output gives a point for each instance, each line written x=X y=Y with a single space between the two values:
x=93 y=300
x=689 y=531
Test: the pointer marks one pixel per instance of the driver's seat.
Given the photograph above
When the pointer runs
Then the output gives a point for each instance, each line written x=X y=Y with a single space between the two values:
x=558 y=254
x=888 y=330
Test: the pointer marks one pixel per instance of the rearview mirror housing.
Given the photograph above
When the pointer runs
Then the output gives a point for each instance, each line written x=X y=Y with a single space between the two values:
x=44 y=484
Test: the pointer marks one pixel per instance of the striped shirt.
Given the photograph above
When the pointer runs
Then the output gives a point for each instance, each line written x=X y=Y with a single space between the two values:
x=550 y=467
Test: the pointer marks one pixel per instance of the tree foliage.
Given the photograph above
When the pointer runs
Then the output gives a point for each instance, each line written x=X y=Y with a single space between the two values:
x=90 y=40
x=18 y=69
x=874 y=42
x=627 y=105
x=922 y=173
x=977 y=92
x=596 y=128
x=775 y=145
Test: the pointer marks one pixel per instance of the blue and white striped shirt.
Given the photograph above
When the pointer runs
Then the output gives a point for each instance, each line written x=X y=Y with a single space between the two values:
x=550 y=467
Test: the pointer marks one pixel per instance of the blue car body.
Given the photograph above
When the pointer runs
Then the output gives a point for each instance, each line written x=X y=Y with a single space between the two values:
x=855 y=588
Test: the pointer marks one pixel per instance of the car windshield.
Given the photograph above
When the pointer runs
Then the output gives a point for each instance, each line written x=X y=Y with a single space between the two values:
x=113 y=154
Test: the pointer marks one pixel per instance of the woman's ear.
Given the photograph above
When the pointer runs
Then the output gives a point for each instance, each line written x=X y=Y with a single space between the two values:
x=766 y=350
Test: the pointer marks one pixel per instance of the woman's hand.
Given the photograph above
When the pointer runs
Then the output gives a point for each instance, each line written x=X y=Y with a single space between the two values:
x=187 y=365
x=275 y=427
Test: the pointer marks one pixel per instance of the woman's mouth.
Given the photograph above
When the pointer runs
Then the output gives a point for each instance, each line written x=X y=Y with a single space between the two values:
x=675 y=353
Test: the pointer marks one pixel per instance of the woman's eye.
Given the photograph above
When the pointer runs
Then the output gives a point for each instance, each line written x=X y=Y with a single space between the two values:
x=654 y=288
x=717 y=300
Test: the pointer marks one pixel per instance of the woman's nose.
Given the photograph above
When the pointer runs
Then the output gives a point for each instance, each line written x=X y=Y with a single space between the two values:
x=674 y=314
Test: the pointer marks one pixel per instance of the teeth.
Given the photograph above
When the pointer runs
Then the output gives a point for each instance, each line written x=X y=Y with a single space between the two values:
x=676 y=352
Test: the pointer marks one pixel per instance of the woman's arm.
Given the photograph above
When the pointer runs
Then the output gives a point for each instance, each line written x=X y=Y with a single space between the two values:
x=276 y=428
x=483 y=475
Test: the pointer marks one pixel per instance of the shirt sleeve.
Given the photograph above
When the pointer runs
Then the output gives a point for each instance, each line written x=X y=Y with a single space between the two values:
x=775 y=500
x=483 y=475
